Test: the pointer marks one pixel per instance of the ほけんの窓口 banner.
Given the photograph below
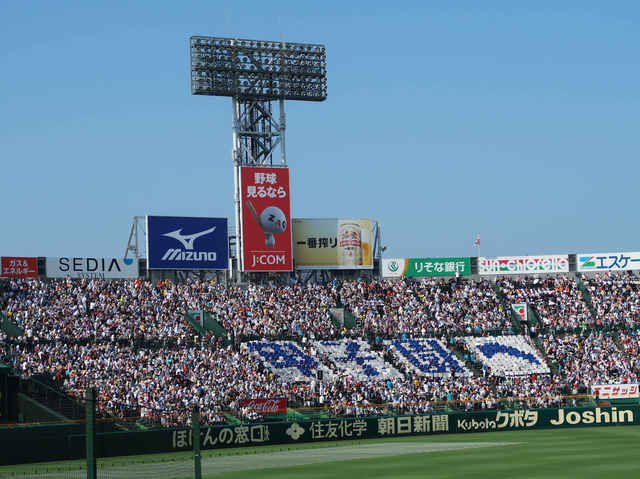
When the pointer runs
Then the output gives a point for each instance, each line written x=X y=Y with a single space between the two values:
x=266 y=211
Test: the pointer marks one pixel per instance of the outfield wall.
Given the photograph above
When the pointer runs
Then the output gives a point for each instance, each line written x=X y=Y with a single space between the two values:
x=54 y=443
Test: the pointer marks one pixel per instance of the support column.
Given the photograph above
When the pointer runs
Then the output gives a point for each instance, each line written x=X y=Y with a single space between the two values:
x=91 y=434
x=197 y=457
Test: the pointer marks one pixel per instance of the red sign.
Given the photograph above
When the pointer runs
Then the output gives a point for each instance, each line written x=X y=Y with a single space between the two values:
x=13 y=267
x=266 y=211
x=266 y=405
x=616 y=391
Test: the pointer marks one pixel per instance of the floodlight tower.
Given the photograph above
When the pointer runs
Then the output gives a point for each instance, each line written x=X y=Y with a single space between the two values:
x=256 y=75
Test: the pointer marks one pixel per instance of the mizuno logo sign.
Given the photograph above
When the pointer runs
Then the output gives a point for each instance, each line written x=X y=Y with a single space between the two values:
x=178 y=254
x=187 y=240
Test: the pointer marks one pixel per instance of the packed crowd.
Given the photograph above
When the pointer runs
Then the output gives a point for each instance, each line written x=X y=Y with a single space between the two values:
x=470 y=307
x=532 y=391
x=84 y=334
x=584 y=361
x=135 y=309
x=630 y=341
x=97 y=309
x=615 y=298
x=558 y=300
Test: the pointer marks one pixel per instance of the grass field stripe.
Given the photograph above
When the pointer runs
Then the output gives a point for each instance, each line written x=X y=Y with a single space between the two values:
x=344 y=453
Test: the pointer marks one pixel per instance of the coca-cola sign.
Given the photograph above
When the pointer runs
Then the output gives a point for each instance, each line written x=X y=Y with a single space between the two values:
x=266 y=405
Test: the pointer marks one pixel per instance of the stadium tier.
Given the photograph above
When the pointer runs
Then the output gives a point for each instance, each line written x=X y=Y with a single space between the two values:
x=427 y=357
x=287 y=360
x=414 y=342
x=508 y=355
x=356 y=359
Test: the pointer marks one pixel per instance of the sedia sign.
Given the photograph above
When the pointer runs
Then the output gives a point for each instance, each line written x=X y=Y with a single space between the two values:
x=92 y=268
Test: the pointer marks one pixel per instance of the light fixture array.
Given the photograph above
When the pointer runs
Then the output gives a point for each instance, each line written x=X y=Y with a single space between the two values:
x=258 y=69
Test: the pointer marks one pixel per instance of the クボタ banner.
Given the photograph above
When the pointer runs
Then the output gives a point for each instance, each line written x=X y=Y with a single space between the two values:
x=608 y=262
x=18 y=267
x=524 y=264
x=265 y=211
x=92 y=268
x=266 y=405
x=187 y=243
x=333 y=243
x=422 y=267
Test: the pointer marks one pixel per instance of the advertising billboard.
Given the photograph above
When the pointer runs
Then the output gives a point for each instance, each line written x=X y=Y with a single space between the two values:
x=608 y=262
x=18 y=267
x=266 y=405
x=615 y=391
x=421 y=267
x=92 y=268
x=333 y=243
x=521 y=311
x=187 y=243
x=524 y=264
x=266 y=211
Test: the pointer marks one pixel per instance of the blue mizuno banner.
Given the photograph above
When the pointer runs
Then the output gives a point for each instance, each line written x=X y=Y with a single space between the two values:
x=182 y=242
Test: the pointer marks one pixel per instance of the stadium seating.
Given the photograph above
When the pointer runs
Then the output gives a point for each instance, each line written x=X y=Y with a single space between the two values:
x=288 y=360
x=427 y=357
x=355 y=358
x=508 y=355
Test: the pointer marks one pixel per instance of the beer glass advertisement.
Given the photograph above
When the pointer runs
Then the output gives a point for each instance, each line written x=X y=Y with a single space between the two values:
x=333 y=243
x=266 y=211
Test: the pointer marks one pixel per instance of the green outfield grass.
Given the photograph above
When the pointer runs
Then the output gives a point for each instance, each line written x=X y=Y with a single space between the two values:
x=600 y=452
x=606 y=452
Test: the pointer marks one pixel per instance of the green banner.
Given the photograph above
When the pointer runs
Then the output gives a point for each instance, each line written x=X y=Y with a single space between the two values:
x=212 y=325
x=202 y=322
x=8 y=327
x=349 y=321
x=63 y=442
x=189 y=317
x=421 y=267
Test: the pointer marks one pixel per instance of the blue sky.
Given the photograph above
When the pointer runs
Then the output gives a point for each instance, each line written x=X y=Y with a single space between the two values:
x=443 y=119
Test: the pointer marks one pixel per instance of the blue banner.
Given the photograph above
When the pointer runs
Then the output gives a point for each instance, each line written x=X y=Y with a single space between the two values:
x=180 y=242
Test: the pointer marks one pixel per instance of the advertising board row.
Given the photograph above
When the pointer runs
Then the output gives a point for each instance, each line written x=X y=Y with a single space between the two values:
x=71 y=444
x=505 y=265
x=172 y=245
x=340 y=429
x=87 y=268
x=558 y=263
x=397 y=426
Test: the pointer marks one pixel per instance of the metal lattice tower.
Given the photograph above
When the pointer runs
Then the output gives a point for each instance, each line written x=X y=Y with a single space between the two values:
x=257 y=75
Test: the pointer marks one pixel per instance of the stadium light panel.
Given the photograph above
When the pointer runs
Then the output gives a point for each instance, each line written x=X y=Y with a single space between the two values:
x=257 y=69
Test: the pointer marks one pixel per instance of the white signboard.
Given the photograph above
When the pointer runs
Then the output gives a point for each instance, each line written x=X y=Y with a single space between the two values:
x=524 y=264
x=198 y=315
x=615 y=391
x=608 y=261
x=339 y=314
x=521 y=311
x=92 y=268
